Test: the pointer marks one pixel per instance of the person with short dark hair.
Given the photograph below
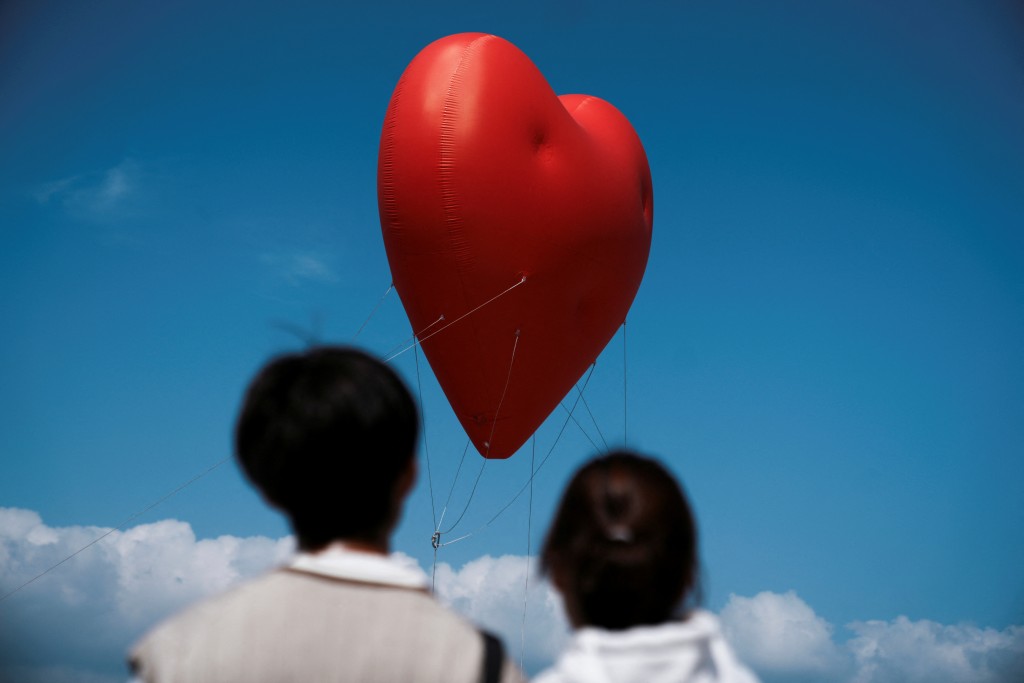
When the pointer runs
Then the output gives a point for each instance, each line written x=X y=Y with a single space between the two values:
x=622 y=551
x=328 y=437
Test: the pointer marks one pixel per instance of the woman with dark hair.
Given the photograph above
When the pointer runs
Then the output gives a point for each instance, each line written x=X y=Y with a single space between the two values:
x=622 y=551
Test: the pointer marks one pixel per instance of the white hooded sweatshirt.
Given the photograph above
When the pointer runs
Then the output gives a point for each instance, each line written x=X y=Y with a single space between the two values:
x=691 y=651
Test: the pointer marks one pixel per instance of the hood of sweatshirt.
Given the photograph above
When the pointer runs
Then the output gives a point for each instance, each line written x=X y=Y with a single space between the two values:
x=692 y=651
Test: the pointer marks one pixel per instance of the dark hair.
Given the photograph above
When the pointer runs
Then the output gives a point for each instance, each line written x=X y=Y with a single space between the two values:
x=622 y=548
x=324 y=435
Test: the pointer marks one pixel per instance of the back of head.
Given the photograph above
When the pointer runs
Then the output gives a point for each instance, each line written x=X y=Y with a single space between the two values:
x=622 y=548
x=324 y=435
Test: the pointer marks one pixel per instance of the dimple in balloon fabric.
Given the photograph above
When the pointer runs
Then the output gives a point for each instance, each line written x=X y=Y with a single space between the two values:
x=486 y=176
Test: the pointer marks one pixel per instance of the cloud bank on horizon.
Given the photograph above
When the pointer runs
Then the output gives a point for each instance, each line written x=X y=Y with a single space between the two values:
x=74 y=624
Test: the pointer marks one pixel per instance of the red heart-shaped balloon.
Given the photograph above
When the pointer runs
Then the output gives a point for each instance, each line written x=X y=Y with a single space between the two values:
x=517 y=224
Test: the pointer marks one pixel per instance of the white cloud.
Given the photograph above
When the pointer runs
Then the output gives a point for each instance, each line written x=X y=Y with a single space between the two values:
x=924 y=651
x=100 y=195
x=782 y=638
x=780 y=633
x=115 y=185
x=55 y=189
x=490 y=591
x=78 y=620
x=297 y=267
x=74 y=624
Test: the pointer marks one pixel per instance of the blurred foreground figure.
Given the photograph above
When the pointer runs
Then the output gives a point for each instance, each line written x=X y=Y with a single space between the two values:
x=622 y=551
x=328 y=437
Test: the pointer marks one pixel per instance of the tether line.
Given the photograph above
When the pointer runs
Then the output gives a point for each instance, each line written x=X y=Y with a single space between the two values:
x=529 y=531
x=533 y=474
x=373 y=312
x=469 y=500
x=444 y=510
x=435 y=539
x=420 y=340
x=504 y=391
x=414 y=335
x=426 y=442
x=433 y=569
x=119 y=527
x=592 y=419
x=546 y=456
x=508 y=379
x=625 y=421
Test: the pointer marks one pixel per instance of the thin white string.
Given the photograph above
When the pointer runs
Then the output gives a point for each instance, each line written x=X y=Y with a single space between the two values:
x=577 y=423
x=469 y=500
x=625 y=422
x=433 y=569
x=444 y=510
x=408 y=339
x=420 y=340
x=532 y=474
x=497 y=413
x=592 y=419
x=120 y=526
x=373 y=312
x=529 y=531
x=504 y=391
x=426 y=442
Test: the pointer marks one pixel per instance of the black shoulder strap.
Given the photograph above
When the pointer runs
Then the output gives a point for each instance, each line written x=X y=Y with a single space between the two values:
x=494 y=654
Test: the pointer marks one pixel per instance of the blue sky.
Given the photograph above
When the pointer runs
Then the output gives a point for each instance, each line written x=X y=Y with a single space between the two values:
x=826 y=346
